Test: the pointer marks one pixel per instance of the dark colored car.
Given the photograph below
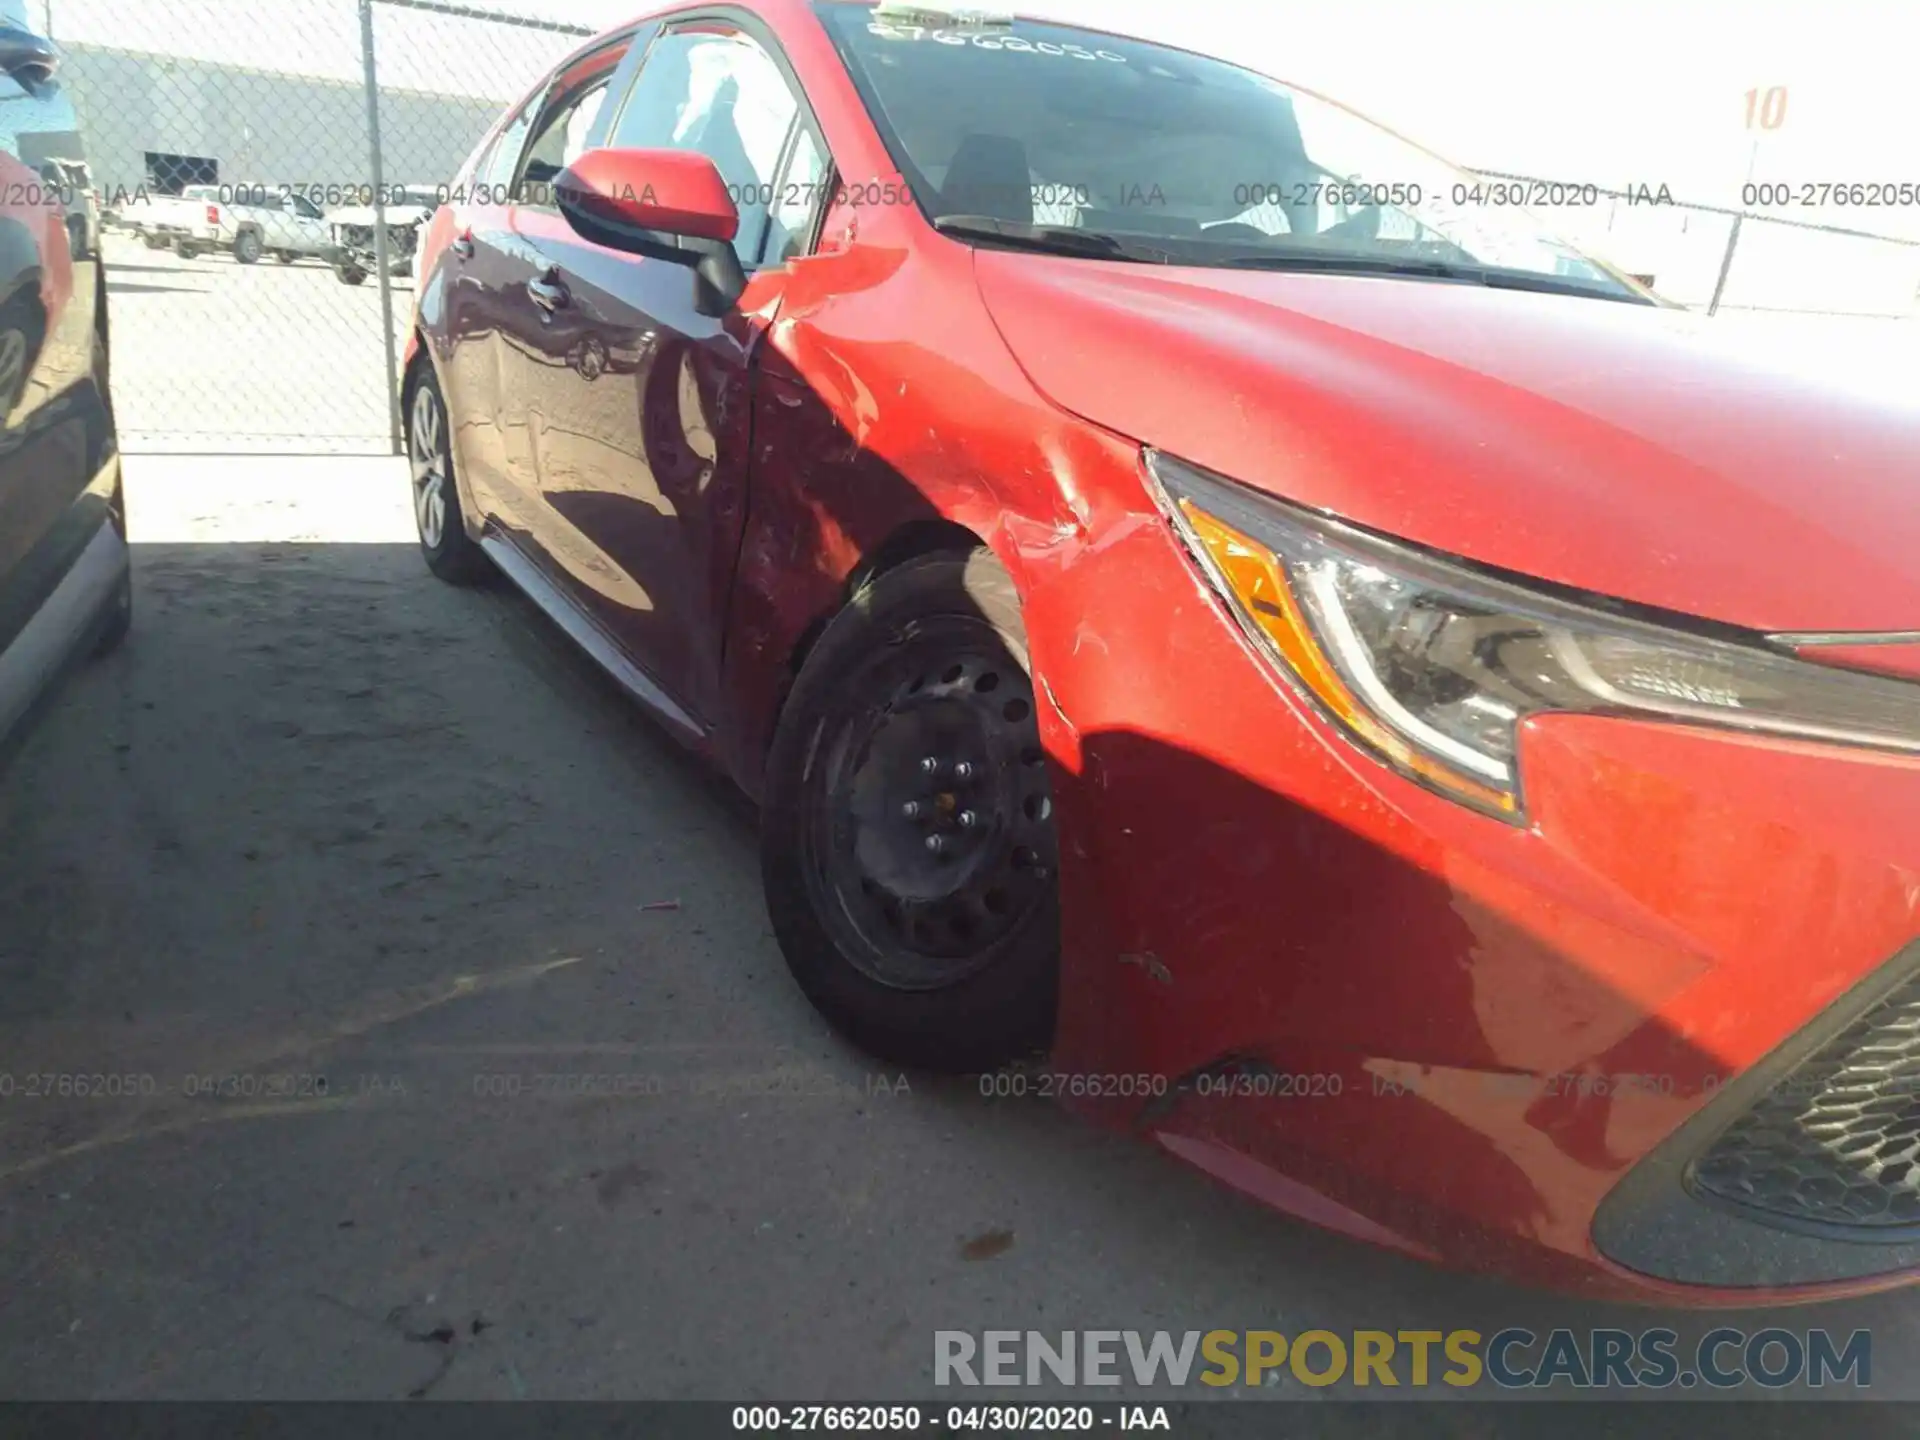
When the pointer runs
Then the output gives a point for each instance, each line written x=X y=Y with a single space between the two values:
x=65 y=589
x=1410 y=722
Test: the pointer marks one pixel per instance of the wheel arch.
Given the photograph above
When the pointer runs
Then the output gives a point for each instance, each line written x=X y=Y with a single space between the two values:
x=411 y=353
x=760 y=675
x=907 y=541
x=419 y=357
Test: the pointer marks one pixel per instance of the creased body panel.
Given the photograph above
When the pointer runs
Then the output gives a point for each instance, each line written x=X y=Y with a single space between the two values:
x=1613 y=448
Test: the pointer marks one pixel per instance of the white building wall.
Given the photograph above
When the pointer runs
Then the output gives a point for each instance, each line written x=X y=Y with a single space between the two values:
x=261 y=127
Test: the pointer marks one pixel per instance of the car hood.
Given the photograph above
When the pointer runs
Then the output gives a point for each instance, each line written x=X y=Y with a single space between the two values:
x=1622 y=449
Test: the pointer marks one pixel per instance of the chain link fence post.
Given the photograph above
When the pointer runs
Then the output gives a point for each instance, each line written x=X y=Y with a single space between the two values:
x=382 y=253
x=1726 y=266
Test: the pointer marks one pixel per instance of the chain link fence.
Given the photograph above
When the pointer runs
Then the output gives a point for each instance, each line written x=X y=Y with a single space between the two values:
x=1720 y=259
x=243 y=153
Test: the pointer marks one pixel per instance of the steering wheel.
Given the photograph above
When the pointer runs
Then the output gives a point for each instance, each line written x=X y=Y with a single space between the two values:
x=1234 y=230
x=1361 y=225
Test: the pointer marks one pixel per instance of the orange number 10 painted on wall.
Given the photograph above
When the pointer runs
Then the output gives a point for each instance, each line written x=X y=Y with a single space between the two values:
x=1767 y=109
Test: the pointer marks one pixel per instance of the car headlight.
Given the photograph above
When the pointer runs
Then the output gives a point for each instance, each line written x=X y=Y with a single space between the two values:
x=1433 y=665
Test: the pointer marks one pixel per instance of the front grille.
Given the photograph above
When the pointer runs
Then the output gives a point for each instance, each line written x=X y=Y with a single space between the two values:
x=402 y=240
x=1836 y=1143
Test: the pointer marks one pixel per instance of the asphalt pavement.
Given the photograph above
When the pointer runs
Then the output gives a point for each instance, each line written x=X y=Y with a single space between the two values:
x=443 y=1049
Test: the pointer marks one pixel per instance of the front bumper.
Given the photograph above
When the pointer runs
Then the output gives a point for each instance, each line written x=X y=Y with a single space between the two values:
x=1424 y=1027
x=1802 y=1170
x=355 y=245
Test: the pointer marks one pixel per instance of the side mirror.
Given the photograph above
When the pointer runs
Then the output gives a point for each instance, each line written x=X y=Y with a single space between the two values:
x=669 y=205
x=28 y=57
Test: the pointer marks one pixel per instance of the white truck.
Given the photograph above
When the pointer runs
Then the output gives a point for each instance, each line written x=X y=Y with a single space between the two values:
x=408 y=208
x=250 y=221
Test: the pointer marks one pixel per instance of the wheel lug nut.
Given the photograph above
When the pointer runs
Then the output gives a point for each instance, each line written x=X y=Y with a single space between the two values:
x=966 y=819
x=930 y=765
x=912 y=810
x=963 y=771
x=937 y=844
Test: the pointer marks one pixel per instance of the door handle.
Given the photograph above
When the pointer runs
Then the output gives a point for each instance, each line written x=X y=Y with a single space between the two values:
x=462 y=245
x=548 y=293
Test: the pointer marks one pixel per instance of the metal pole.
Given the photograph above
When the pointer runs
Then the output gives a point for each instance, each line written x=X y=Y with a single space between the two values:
x=381 y=258
x=1726 y=264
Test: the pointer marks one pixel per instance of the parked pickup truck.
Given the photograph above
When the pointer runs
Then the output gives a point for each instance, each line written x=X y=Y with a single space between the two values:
x=72 y=182
x=251 y=221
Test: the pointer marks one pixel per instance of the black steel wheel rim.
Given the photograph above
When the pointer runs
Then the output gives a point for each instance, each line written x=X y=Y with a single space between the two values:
x=928 y=837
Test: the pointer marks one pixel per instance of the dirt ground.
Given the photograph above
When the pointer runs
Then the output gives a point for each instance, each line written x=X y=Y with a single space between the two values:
x=336 y=881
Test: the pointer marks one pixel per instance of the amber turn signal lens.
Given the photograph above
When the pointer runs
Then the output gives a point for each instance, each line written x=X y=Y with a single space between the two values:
x=1252 y=575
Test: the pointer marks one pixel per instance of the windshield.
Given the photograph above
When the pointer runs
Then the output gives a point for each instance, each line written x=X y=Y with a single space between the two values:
x=1012 y=131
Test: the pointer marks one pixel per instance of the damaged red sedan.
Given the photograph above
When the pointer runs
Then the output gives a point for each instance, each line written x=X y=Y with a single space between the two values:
x=1405 y=720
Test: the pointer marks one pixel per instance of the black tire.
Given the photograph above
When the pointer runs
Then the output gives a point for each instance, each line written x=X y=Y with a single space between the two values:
x=248 y=247
x=185 y=250
x=350 y=274
x=952 y=970
x=447 y=548
x=154 y=242
x=285 y=257
x=23 y=335
x=119 y=622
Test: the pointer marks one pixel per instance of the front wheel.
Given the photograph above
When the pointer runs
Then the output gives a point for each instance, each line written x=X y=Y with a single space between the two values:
x=449 y=551
x=350 y=274
x=908 y=846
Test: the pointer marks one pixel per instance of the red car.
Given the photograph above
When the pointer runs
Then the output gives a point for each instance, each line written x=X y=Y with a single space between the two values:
x=1200 y=589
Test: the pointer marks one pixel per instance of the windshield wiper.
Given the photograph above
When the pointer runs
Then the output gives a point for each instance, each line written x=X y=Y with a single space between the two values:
x=1414 y=268
x=1345 y=263
x=1049 y=239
